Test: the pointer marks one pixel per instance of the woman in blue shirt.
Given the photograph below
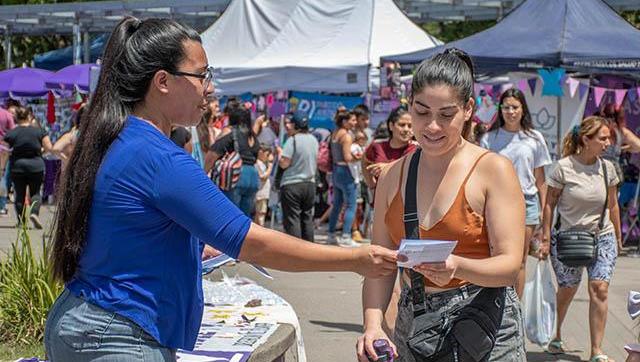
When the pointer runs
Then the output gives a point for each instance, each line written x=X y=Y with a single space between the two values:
x=138 y=210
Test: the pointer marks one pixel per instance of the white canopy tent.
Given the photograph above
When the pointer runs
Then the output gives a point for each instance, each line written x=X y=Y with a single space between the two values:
x=306 y=45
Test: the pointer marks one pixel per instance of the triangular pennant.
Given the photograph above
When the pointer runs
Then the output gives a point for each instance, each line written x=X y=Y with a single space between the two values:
x=598 y=93
x=582 y=89
x=522 y=85
x=496 y=90
x=573 y=86
x=632 y=95
x=532 y=85
x=552 y=81
x=505 y=87
x=620 y=94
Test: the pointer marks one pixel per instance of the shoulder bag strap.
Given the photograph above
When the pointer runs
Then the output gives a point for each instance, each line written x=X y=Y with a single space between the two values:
x=606 y=199
x=412 y=231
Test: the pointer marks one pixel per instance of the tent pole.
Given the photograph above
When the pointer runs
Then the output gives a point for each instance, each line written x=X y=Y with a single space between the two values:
x=558 y=128
x=76 y=41
x=86 y=56
x=7 y=48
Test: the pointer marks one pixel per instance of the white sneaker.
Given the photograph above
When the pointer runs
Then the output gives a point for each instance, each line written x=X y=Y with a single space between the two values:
x=347 y=242
x=332 y=239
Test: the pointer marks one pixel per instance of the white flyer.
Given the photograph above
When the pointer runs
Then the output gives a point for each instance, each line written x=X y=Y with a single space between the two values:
x=425 y=251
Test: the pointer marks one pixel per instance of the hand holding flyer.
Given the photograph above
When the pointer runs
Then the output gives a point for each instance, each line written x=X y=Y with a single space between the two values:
x=425 y=251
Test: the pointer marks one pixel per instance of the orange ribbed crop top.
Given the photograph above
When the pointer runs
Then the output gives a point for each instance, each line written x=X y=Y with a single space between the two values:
x=459 y=223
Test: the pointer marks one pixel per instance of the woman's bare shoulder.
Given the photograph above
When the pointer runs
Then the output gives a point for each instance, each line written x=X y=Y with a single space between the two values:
x=390 y=175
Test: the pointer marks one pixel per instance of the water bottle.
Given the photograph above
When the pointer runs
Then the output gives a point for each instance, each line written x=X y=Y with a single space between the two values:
x=383 y=350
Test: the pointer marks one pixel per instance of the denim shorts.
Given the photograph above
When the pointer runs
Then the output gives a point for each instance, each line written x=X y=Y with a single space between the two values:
x=79 y=331
x=532 y=209
x=600 y=269
x=509 y=345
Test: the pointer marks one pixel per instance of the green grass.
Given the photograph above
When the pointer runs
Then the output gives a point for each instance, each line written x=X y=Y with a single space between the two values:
x=10 y=352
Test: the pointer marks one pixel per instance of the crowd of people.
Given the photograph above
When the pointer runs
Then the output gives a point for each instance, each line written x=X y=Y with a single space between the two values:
x=153 y=157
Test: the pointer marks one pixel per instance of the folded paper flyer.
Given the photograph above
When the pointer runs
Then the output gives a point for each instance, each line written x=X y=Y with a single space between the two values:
x=425 y=251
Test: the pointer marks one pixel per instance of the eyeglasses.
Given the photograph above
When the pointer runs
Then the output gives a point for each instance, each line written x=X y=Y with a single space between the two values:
x=510 y=108
x=207 y=77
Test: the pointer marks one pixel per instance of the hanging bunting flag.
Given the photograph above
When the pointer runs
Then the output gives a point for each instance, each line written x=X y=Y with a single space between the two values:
x=598 y=93
x=532 y=85
x=522 y=84
x=496 y=90
x=573 y=86
x=552 y=81
x=505 y=87
x=51 y=108
x=582 y=89
x=620 y=94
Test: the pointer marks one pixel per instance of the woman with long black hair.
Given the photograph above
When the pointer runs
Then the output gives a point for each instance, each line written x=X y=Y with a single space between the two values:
x=137 y=210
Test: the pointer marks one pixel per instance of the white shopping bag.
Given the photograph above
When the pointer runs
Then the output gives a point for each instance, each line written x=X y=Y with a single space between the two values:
x=539 y=305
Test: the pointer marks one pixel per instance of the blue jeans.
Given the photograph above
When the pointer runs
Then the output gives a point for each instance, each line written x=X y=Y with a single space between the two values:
x=79 y=331
x=344 y=191
x=5 y=183
x=244 y=194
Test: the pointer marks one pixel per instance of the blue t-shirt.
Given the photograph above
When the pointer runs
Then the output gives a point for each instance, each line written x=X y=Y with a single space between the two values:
x=153 y=207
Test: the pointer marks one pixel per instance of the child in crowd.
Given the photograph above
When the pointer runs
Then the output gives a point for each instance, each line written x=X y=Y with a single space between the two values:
x=264 y=165
x=357 y=150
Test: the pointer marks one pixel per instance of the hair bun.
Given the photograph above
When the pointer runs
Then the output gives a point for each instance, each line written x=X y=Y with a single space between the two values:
x=462 y=55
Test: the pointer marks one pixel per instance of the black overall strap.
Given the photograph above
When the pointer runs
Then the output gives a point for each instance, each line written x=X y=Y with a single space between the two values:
x=412 y=231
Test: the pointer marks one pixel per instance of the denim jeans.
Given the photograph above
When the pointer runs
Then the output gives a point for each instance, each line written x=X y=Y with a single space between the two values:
x=79 y=331
x=244 y=194
x=344 y=191
x=4 y=187
x=509 y=346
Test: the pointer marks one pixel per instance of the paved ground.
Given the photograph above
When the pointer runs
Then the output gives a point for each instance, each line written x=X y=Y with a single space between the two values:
x=329 y=308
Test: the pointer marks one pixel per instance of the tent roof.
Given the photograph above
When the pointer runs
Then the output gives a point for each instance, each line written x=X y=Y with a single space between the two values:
x=576 y=34
x=306 y=45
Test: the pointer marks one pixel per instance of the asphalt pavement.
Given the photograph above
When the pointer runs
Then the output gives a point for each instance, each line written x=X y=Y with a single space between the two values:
x=330 y=313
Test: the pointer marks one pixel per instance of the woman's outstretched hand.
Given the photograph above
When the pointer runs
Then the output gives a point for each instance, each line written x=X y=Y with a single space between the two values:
x=375 y=261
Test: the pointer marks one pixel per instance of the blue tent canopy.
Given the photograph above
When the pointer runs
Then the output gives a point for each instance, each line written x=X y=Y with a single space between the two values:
x=60 y=58
x=574 y=34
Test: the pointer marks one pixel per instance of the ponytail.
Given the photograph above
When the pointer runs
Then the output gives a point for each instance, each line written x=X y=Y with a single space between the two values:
x=589 y=127
x=136 y=50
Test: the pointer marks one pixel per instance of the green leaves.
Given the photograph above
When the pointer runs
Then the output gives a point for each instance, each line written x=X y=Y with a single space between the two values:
x=27 y=290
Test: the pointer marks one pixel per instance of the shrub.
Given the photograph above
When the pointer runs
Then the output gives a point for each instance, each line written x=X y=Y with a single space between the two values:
x=27 y=290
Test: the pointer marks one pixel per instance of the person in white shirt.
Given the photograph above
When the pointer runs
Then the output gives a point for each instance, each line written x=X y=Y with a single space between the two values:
x=512 y=135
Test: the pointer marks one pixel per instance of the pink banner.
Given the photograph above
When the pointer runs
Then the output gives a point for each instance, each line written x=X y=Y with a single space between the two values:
x=620 y=94
x=598 y=92
x=573 y=86
x=522 y=84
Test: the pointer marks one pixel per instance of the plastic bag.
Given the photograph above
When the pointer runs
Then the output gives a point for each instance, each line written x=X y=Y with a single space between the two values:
x=539 y=305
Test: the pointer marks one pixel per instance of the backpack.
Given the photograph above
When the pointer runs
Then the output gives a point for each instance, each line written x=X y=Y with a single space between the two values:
x=325 y=161
x=226 y=170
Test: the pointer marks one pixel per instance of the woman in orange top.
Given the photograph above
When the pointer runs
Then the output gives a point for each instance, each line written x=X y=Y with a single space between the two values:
x=463 y=193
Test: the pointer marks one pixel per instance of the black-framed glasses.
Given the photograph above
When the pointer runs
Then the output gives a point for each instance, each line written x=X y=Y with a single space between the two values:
x=207 y=77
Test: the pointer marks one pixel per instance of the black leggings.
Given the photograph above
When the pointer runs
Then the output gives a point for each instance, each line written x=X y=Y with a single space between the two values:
x=20 y=183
